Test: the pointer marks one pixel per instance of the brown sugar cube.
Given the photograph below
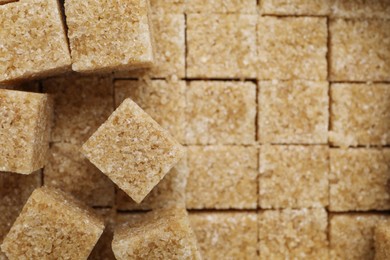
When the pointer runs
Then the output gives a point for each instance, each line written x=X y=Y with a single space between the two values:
x=25 y=120
x=293 y=176
x=382 y=242
x=293 y=112
x=221 y=112
x=359 y=179
x=232 y=235
x=293 y=234
x=161 y=234
x=221 y=46
x=220 y=6
x=163 y=100
x=359 y=50
x=70 y=171
x=133 y=150
x=116 y=37
x=360 y=114
x=352 y=235
x=222 y=177
x=170 y=191
x=292 y=48
x=168 y=6
x=361 y=9
x=295 y=7
x=81 y=105
x=169 y=34
x=32 y=39
x=53 y=225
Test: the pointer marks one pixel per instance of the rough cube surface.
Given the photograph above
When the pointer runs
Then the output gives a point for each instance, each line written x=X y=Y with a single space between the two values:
x=359 y=50
x=103 y=249
x=168 y=6
x=81 y=105
x=220 y=6
x=361 y=9
x=133 y=150
x=360 y=114
x=25 y=120
x=292 y=48
x=161 y=234
x=359 y=179
x=295 y=7
x=382 y=242
x=163 y=100
x=232 y=235
x=352 y=235
x=222 y=177
x=221 y=46
x=53 y=225
x=117 y=36
x=70 y=171
x=293 y=112
x=294 y=176
x=221 y=112
x=32 y=40
x=293 y=234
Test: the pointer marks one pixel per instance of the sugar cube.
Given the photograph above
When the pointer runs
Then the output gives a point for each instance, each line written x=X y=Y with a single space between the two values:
x=356 y=9
x=295 y=7
x=382 y=242
x=220 y=6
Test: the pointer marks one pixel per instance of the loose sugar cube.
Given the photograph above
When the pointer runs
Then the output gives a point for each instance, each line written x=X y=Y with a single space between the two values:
x=293 y=112
x=163 y=100
x=167 y=6
x=103 y=250
x=25 y=120
x=221 y=46
x=116 y=37
x=169 y=31
x=292 y=48
x=81 y=105
x=359 y=179
x=359 y=50
x=360 y=114
x=352 y=235
x=133 y=150
x=221 y=112
x=232 y=235
x=170 y=191
x=222 y=177
x=294 y=176
x=293 y=234
x=161 y=234
x=361 y=9
x=382 y=242
x=295 y=7
x=70 y=171
x=53 y=225
x=32 y=40
x=221 y=6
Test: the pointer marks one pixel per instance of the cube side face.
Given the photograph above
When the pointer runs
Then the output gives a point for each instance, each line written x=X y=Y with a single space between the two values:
x=382 y=242
x=220 y=6
x=352 y=39
x=294 y=177
x=133 y=150
x=284 y=117
x=221 y=46
x=360 y=9
x=295 y=7
x=358 y=179
x=52 y=226
x=116 y=37
x=222 y=177
x=286 y=48
x=23 y=151
x=360 y=114
x=220 y=113
x=44 y=53
x=290 y=234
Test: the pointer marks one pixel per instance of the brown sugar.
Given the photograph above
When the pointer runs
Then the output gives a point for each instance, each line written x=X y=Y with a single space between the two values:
x=133 y=150
x=220 y=6
x=295 y=7
x=382 y=242
x=168 y=6
x=360 y=9
x=25 y=130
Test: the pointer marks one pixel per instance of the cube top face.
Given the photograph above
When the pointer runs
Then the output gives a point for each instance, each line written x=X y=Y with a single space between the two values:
x=33 y=40
x=133 y=150
x=294 y=7
x=346 y=62
x=53 y=225
x=117 y=36
x=220 y=6
x=24 y=132
x=360 y=114
x=292 y=48
x=360 y=9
